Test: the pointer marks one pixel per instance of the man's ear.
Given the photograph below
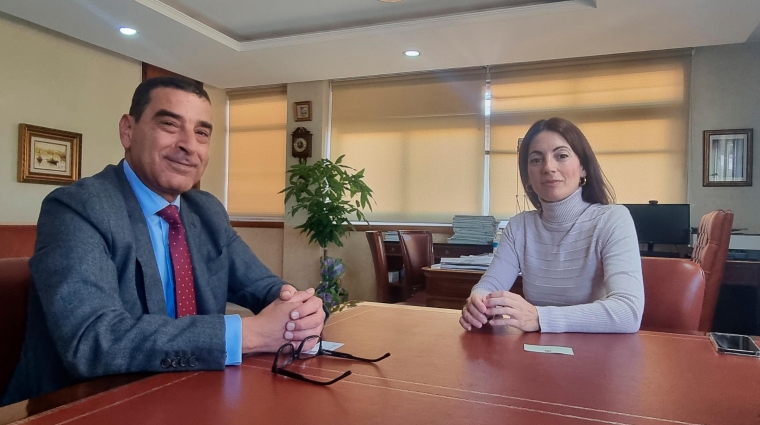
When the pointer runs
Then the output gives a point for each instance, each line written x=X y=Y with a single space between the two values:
x=126 y=124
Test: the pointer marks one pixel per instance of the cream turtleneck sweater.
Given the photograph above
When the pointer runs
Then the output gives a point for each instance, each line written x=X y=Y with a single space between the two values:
x=580 y=266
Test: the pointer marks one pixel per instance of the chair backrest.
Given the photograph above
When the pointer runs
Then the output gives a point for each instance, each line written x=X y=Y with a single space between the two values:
x=377 y=246
x=417 y=252
x=14 y=290
x=710 y=253
x=17 y=240
x=673 y=292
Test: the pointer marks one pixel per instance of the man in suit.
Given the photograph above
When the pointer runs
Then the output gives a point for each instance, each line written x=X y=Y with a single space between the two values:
x=132 y=269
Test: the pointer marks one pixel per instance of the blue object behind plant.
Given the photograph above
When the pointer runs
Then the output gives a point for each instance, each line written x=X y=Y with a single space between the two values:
x=333 y=295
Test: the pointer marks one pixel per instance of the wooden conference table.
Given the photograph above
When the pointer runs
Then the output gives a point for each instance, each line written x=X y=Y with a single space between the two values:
x=451 y=288
x=438 y=373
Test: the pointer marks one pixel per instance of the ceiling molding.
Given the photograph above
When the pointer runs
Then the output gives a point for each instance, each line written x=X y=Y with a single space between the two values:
x=418 y=24
x=191 y=23
x=379 y=29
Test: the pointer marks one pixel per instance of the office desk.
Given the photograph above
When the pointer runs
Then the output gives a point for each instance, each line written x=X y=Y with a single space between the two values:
x=735 y=310
x=451 y=288
x=439 y=373
x=395 y=262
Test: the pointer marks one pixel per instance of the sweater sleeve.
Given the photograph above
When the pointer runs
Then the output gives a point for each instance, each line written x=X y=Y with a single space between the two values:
x=502 y=272
x=621 y=309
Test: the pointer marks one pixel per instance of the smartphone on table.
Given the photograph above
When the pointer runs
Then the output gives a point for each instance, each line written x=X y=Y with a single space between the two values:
x=734 y=344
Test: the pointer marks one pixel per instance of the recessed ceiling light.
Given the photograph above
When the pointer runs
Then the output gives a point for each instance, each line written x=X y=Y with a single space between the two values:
x=391 y=1
x=127 y=31
x=412 y=53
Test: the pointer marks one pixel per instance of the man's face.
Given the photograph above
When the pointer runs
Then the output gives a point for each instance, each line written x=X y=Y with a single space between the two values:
x=168 y=147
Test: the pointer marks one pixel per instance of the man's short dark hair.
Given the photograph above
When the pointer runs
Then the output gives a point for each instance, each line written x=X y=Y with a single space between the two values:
x=141 y=98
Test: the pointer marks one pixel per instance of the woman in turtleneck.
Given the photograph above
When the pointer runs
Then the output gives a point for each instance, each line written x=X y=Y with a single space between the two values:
x=578 y=253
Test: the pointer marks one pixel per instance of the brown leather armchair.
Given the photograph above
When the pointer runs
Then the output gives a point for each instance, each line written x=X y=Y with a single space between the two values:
x=18 y=240
x=14 y=290
x=673 y=291
x=417 y=252
x=710 y=253
x=377 y=246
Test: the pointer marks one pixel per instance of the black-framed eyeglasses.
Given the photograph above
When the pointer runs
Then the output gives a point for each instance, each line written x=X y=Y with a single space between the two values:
x=287 y=354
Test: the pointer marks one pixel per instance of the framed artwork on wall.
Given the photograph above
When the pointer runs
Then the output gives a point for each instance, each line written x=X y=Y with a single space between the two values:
x=49 y=156
x=727 y=158
x=303 y=111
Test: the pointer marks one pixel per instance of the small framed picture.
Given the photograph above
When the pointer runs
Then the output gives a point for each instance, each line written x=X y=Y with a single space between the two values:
x=303 y=111
x=47 y=155
x=727 y=158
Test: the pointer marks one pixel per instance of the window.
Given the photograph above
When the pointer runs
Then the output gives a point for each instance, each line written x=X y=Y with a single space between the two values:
x=438 y=144
x=258 y=127
x=420 y=140
x=633 y=111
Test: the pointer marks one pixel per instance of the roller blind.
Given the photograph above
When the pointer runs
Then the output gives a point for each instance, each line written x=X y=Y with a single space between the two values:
x=420 y=139
x=257 y=149
x=634 y=113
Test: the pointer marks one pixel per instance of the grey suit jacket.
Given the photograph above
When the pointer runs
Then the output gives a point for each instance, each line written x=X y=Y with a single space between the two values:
x=96 y=305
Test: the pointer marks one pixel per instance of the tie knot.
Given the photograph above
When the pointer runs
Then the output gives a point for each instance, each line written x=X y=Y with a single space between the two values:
x=171 y=215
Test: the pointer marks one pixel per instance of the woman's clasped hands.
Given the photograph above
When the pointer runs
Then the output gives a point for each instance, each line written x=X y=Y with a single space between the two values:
x=499 y=308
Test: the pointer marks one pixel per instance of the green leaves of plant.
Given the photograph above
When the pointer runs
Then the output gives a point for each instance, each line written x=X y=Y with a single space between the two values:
x=330 y=194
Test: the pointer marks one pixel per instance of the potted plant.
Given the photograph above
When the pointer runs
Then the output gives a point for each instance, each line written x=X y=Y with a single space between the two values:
x=330 y=193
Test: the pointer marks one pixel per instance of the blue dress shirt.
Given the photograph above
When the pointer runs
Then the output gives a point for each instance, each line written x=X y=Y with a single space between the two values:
x=151 y=203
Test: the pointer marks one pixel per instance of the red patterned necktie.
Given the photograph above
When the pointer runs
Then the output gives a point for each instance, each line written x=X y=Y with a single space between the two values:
x=184 y=288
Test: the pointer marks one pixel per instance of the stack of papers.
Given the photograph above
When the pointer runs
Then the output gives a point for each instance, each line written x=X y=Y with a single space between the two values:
x=474 y=229
x=467 y=262
x=391 y=237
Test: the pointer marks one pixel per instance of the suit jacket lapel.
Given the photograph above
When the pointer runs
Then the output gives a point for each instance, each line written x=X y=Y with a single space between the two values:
x=154 y=289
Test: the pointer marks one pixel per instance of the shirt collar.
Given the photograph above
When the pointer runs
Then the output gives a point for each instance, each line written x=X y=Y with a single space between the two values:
x=150 y=202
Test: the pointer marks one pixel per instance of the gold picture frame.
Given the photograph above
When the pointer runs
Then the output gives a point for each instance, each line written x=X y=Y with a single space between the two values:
x=727 y=158
x=48 y=156
x=302 y=110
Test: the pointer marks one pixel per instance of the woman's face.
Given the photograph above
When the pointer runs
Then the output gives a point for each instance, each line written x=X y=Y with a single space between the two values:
x=554 y=169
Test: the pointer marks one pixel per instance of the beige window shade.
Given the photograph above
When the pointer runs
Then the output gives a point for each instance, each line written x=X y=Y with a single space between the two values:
x=634 y=113
x=420 y=140
x=257 y=149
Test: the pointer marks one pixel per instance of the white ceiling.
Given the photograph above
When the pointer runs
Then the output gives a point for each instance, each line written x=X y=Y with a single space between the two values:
x=239 y=43
x=261 y=19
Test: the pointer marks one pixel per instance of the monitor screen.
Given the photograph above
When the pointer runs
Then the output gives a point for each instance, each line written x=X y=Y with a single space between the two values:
x=661 y=223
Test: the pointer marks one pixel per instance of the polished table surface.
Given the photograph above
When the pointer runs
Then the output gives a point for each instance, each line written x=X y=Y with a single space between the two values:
x=447 y=288
x=438 y=373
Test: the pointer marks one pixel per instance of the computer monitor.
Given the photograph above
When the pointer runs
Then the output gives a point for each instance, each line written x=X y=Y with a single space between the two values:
x=661 y=223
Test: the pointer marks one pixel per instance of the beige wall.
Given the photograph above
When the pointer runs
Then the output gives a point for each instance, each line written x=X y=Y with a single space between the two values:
x=725 y=94
x=300 y=258
x=266 y=244
x=53 y=81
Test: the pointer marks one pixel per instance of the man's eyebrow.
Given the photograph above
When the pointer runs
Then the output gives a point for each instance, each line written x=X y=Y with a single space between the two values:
x=167 y=113
x=206 y=124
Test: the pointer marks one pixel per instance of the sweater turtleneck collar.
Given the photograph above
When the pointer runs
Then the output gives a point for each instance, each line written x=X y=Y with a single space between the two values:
x=565 y=211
